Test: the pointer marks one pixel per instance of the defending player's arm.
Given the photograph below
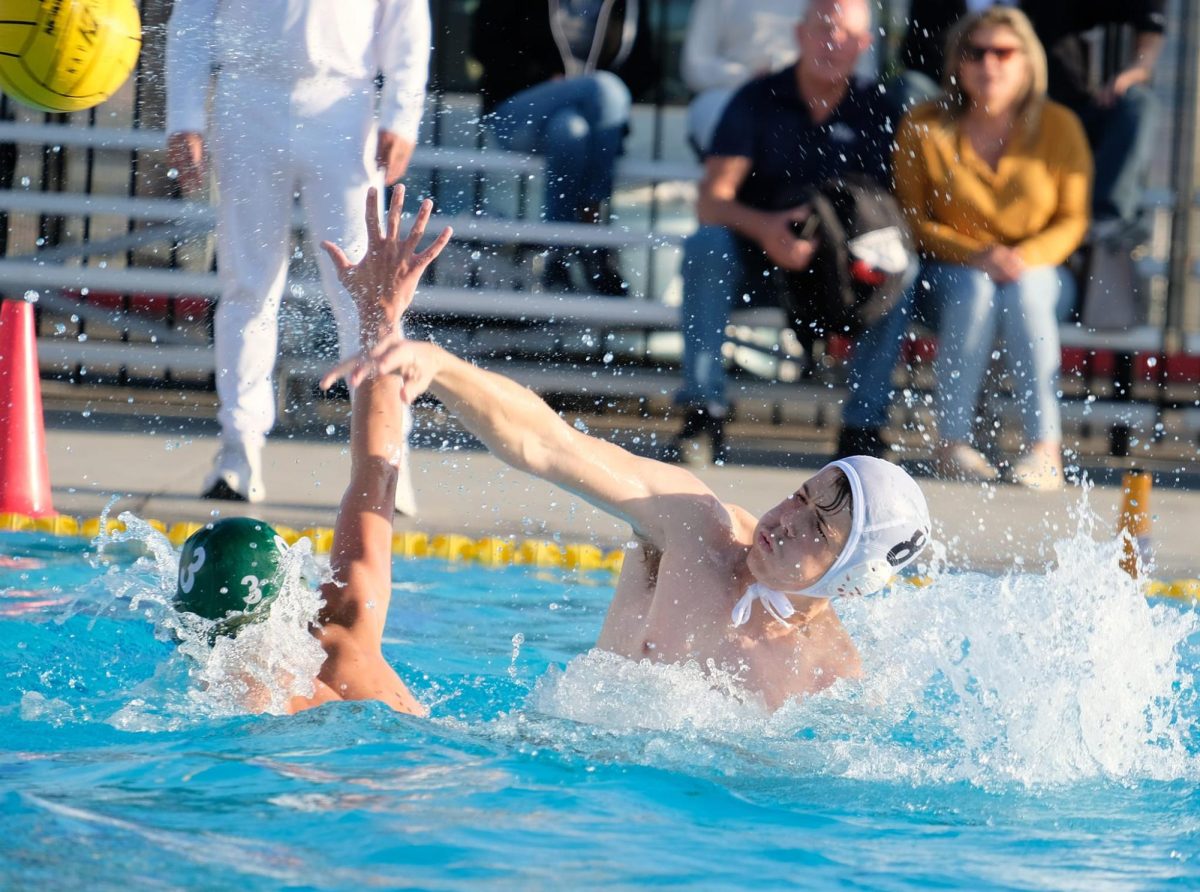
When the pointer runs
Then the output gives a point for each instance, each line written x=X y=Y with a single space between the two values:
x=382 y=285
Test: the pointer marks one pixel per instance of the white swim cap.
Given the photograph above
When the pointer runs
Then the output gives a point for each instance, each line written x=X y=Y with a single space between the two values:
x=889 y=527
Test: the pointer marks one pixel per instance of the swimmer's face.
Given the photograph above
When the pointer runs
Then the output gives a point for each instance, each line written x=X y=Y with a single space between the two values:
x=801 y=537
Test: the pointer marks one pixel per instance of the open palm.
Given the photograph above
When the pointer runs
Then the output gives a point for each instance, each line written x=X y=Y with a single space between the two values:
x=383 y=283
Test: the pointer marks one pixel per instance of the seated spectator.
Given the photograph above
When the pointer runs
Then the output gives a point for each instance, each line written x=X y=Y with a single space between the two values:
x=996 y=181
x=798 y=127
x=921 y=53
x=557 y=81
x=1118 y=116
x=731 y=41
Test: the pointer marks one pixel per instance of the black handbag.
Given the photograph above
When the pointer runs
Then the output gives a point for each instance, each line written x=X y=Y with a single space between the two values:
x=864 y=259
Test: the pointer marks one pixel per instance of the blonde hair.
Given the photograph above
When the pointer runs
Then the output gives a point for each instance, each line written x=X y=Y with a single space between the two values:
x=1029 y=107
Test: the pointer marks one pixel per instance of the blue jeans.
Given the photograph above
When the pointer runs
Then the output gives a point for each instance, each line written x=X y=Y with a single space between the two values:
x=1122 y=138
x=716 y=275
x=876 y=352
x=713 y=277
x=578 y=124
x=974 y=309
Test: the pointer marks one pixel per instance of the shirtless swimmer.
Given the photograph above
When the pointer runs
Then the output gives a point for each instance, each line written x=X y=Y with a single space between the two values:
x=706 y=581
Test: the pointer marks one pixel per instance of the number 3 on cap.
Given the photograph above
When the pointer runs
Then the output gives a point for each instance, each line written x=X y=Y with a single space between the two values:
x=187 y=575
x=255 y=586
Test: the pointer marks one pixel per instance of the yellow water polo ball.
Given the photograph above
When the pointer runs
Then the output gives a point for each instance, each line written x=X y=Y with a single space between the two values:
x=67 y=55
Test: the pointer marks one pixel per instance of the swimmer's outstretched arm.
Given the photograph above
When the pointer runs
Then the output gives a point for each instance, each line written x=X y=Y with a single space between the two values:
x=382 y=285
x=521 y=430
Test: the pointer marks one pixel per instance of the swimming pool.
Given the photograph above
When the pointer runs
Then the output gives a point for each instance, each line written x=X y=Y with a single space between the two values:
x=1039 y=731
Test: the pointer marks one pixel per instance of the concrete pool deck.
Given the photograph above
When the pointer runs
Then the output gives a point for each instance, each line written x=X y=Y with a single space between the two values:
x=158 y=475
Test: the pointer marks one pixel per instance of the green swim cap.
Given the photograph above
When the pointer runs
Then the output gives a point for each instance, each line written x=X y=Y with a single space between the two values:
x=228 y=572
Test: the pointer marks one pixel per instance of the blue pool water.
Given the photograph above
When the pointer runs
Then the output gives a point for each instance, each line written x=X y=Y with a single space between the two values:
x=1038 y=731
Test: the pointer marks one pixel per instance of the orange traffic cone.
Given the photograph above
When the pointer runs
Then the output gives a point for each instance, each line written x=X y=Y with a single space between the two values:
x=24 y=472
x=1134 y=522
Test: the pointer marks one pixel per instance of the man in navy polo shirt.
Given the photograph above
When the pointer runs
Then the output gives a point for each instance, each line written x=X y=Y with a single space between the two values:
x=780 y=133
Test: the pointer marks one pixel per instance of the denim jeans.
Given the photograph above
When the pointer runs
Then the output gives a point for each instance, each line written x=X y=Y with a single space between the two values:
x=578 y=124
x=876 y=352
x=1122 y=138
x=716 y=276
x=974 y=309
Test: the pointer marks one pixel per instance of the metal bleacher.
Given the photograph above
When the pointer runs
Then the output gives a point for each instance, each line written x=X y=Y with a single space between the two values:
x=585 y=345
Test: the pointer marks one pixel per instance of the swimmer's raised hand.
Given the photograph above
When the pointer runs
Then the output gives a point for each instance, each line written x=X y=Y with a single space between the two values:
x=415 y=363
x=384 y=281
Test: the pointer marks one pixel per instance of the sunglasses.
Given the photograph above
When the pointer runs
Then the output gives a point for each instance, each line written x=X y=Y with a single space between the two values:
x=974 y=53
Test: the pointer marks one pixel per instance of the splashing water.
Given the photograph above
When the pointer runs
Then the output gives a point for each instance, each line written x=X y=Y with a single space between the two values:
x=1034 y=679
x=1034 y=730
x=258 y=671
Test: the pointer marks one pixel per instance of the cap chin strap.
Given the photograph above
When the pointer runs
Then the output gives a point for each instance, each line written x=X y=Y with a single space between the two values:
x=777 y=604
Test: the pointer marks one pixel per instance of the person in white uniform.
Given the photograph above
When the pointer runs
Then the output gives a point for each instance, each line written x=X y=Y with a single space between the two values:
x=295 y=109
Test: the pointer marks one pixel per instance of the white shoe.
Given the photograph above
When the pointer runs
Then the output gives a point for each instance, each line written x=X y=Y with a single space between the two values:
x=1039 y=471
x=236 y=475
x=961 y=462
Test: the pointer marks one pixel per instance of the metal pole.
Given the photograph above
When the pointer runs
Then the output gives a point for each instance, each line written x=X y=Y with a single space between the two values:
x=1183 y=175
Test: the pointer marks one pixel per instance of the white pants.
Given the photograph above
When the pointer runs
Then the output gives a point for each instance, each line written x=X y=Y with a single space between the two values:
x=264 y=152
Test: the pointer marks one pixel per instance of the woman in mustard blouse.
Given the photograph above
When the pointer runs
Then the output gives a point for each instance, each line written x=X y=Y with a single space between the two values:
x=996 y=181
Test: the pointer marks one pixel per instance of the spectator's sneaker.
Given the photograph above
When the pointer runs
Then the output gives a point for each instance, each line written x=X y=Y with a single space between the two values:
x=701 y=441
x=961 y=462
x=556 y=274
x=861 y=441
x=1039 y=470
x=236 y=475
x=603 y=275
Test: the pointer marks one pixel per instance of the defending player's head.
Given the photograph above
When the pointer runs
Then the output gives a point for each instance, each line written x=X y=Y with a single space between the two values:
x=229 y=572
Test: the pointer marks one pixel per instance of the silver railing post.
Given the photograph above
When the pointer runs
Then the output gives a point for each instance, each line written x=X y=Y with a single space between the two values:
x=1180 y=315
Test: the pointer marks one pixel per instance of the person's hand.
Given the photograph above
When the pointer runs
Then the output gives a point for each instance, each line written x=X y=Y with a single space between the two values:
x=1120 y=84
x=415 y=363
x=383 y=283
x=392 y=154
x=1002 y=264
x=185 y=154
x=777 y=237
